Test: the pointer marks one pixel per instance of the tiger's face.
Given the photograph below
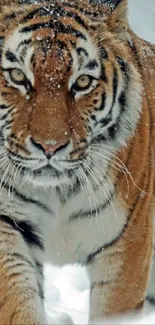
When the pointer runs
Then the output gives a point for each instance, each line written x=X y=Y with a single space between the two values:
x=63 y=92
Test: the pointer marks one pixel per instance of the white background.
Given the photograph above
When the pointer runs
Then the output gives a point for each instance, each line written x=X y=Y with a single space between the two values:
x=142 y=18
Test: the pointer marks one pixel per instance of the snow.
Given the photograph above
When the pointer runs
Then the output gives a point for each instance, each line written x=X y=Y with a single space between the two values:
x=67 y=289
x=68 y=292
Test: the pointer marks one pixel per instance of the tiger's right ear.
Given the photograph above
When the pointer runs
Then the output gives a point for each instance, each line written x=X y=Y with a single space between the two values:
x=115 y=13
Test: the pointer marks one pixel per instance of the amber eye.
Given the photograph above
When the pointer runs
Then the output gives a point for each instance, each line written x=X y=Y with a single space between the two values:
x=82 y=83
x=17 y=76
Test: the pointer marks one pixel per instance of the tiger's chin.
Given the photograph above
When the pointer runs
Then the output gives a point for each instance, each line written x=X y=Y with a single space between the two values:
x=46 y=177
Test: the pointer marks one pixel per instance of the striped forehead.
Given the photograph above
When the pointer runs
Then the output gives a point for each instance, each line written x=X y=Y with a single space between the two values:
x=84 y=55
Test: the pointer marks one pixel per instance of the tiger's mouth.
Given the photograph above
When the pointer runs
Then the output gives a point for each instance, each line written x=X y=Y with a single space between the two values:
x=47 y=173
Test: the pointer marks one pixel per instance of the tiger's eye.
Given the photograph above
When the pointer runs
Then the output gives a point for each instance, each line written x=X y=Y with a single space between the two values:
x=83 y=81
x=17 y=76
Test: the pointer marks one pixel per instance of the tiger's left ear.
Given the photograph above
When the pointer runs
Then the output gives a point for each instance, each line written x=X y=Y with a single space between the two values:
x=116 y=15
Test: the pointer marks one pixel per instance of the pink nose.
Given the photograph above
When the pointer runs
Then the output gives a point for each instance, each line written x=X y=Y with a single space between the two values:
x=49 y=149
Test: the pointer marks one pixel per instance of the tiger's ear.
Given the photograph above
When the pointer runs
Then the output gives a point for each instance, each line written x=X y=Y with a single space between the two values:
x=117 y=20
x=116 y=15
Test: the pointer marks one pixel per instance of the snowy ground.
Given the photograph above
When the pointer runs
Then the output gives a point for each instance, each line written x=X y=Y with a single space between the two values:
x=67 y=289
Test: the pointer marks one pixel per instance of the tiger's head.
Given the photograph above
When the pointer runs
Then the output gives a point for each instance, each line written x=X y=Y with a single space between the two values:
x=67 y=86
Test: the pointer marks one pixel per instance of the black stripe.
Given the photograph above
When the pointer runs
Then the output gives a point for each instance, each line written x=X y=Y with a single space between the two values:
x=81 y=50
x=1 y=39
x=100 y=283
x=77 y=18
x=124 y=68
x=29 y=1
x=60 y=12
x=67 y=29
x=5 y=115
x=40 y=268
x=29 y=232
x=20 y=257
x=113 y=129
x=99 y=138
x=74 y=190
x=103 y=73
x=31 y=201
x=151 y=300
x=122 y=100
x=103 y=53
x=106 y=120
x=115 y=85
x=92 y=14
x=45 y=46
x=103 y=99
x=123 y=64
x=136 y=54
x=34 y=27
x=10 y=56
x=80 y=214
x=41 y=291
x=94 y=118
x=102 y=248
x=8 y=127
x=61 y=195
x=8 y=220
x=66 y=194
x=13 y=15
x=19 y=158
x=4 y=106
x=7 y=124
x=25 y=42
x=91 y=65
x=27 y=199
x=43 y=11
x=62 y=46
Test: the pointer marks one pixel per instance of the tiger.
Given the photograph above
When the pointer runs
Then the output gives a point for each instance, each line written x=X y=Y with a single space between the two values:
x=77 y=155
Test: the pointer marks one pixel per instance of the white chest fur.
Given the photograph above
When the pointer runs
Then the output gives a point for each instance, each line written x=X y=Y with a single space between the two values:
x=72 y=236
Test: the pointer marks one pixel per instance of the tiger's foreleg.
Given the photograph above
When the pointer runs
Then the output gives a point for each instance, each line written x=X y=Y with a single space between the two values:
x=119 y=275
x=20 y=296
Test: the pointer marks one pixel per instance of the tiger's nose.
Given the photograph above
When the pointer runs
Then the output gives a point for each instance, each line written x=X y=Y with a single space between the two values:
x=48 y=149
